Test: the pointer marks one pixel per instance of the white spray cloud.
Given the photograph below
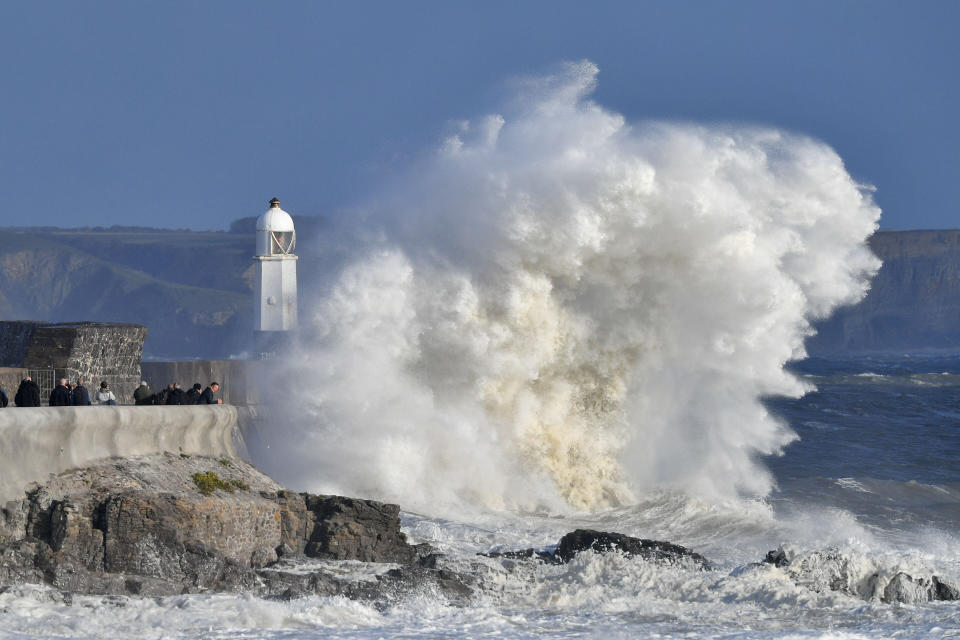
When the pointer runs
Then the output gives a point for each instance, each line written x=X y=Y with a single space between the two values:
x=565 y=309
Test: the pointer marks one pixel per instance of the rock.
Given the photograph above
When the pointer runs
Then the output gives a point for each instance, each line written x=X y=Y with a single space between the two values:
x=13 y=521
x=142 y=526
x=341 y=528
x=524 y=554
x=584 y=539
x=777 y=557
x=944 y=591
x=601 y=542
x=831 y=570
x=909 y=590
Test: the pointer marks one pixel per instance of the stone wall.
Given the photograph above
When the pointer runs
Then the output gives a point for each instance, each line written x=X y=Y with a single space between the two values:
x=92 y=351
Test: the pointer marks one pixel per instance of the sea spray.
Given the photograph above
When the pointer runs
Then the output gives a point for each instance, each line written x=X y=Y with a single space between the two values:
x=561 y=309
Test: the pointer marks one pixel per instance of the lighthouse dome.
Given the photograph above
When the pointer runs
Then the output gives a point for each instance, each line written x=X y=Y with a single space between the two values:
x=275 y=219
x=275 y=234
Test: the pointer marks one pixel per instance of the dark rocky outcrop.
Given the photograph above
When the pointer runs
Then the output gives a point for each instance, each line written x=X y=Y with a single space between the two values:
x=602 y=542
x=142 y=526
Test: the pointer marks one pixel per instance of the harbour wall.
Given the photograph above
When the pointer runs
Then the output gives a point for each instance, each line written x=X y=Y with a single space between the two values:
x=37 y=442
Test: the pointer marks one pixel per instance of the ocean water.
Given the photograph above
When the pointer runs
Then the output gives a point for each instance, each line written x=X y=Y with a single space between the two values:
x=874 y=477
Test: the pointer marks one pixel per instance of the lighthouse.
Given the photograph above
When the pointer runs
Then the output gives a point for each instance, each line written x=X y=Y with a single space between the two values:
x=276 y=279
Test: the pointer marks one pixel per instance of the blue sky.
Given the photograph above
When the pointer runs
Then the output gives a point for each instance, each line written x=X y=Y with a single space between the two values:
x=193 y=114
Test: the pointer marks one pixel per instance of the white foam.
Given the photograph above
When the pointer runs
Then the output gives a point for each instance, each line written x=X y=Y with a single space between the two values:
x=563 y=308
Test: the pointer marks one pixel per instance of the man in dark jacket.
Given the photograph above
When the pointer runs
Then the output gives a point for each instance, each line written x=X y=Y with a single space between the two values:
x=80 y=397
x=60 y=396
x=4 y=401
x=161 y=396
x=193 y=395
x=143 y=395
x=177 y=396
x=207 y=397
x=28 y=394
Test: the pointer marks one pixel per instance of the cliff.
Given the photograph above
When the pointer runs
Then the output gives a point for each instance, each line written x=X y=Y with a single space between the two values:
x=192 y=290
x=913 y=303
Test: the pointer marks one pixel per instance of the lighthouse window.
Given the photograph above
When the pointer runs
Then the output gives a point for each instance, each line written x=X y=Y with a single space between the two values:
x=282 y=241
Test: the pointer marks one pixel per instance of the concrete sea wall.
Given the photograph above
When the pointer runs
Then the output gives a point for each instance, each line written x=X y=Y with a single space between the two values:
x=35 y=442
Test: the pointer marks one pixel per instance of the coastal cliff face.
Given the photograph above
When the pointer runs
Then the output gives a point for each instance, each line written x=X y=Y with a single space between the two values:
x=914 y=300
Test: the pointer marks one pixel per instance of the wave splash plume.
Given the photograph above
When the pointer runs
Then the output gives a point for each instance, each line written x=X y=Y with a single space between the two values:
x=562 y=309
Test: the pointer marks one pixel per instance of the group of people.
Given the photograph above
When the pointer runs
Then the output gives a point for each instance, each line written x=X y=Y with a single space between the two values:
x=173 y=394
x=65 y=395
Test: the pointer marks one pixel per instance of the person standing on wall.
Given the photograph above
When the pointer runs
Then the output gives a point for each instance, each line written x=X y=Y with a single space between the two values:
x=161 y=396
x=105 y=396
x=80 y=397
x=193 y=395
x=207 y=397
x=60 y=396
x=177 y=396
x=28 y=394
x=143 y=395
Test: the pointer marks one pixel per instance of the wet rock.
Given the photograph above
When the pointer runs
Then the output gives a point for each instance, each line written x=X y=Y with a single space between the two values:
x=351 y=529
x=831 y=570
x=944 y=591
x=585 y=539
x=777 y=557
x=524 y=554
x=13 y=521
x=603 y=542
x=143 y=526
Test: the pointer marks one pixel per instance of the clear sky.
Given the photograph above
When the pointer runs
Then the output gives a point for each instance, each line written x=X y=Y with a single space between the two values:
x=193 y=114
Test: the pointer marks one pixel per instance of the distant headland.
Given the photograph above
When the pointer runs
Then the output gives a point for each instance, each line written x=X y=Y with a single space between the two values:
x=194 y=289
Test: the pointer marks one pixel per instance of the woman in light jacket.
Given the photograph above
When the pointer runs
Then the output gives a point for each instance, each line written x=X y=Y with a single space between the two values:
x=104 y=395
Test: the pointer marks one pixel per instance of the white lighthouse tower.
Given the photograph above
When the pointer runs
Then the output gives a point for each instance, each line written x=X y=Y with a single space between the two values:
x=276 y=281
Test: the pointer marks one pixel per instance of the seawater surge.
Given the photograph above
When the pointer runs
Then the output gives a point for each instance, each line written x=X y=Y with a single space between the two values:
x=36 y=442
x=562 y=309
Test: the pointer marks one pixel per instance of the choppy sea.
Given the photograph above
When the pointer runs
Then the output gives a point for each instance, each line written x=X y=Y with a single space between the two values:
x=874 y=479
